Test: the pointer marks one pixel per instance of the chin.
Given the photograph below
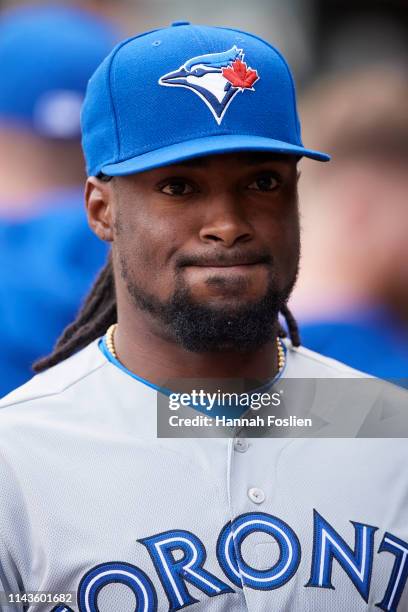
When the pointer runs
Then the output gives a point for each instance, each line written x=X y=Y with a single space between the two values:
x=230 y=304
x=228 y=297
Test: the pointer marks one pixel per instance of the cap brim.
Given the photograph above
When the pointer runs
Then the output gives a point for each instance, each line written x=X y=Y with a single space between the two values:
x=210 y=145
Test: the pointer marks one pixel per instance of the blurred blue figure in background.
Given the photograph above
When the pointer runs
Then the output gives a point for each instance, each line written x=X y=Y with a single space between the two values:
x=47 y=55
x=47 y=266
x=352 y=294
x=48 y=255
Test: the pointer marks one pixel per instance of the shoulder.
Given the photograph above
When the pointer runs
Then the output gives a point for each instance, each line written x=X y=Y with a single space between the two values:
x=61 y=380
x=350 y=402
x=304 y=363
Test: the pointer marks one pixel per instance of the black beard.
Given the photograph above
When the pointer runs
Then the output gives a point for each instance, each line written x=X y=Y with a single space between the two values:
x=200 y=328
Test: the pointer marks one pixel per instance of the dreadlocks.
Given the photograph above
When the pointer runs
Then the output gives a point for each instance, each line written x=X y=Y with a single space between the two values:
x=99 y=312
x=96 y=315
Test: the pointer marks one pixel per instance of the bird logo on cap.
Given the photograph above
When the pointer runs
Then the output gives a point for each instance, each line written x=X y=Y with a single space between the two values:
x=216 y=78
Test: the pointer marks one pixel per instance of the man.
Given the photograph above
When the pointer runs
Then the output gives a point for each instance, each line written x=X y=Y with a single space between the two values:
x=47 y=55
x=191 y=138
x=48 y=263
x=352 y=293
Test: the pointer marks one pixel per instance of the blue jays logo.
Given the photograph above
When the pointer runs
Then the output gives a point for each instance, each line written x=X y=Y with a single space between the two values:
x=216 y=78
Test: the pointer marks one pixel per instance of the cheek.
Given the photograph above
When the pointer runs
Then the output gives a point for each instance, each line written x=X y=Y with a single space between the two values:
x=144 y=248
x=289 y=258
x=283 y=240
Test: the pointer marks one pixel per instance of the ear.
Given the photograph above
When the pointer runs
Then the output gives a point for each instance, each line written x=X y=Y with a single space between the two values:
x=99 y=203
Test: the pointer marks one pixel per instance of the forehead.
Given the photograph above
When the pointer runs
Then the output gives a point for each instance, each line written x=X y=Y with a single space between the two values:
x=225 y=166
x=242 y=158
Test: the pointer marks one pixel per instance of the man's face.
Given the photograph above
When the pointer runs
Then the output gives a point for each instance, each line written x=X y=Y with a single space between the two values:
x=209 y=248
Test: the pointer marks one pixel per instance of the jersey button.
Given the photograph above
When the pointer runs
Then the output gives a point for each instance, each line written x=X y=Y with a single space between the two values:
x=256 y=495
x=241 y=445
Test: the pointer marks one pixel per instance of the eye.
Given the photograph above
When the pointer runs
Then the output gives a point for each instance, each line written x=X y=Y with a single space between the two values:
x=176 y=188
x=266 y=182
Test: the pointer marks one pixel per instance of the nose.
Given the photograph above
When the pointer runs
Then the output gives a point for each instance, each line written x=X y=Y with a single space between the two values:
x=225 y=223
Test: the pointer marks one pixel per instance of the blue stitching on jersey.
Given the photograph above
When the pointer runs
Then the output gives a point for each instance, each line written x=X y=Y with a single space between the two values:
x=104 y=349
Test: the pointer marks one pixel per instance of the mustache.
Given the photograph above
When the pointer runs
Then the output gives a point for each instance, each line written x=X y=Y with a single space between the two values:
x=232 y=258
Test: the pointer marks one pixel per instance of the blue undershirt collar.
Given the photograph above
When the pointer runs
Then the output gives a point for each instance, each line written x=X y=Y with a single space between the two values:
x=104 y=348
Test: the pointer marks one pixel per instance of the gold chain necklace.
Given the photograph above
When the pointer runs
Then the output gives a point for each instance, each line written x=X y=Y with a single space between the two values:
x=110 y=343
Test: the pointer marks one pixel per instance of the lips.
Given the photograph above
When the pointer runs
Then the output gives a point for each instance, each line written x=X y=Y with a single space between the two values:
x=229 y=265
x=230 y=262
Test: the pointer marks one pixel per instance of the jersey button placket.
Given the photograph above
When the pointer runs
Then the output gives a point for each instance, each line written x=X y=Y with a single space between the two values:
x=241 y=445
x=256 y=495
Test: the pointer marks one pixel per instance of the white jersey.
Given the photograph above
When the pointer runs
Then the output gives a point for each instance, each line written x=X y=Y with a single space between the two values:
x=94 y=506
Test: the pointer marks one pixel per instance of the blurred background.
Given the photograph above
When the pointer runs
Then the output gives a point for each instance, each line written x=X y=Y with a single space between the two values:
x=350 y=61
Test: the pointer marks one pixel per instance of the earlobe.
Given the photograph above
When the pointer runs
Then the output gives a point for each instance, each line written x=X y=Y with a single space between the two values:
x=98 y=199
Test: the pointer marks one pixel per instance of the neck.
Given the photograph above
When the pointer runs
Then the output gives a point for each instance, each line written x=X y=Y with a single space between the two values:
x=156 y=358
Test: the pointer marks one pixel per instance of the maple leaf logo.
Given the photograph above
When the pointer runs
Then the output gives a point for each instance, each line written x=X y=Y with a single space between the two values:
x=240 y=75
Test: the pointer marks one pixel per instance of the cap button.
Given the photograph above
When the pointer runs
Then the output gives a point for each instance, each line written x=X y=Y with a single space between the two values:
x=180 y=23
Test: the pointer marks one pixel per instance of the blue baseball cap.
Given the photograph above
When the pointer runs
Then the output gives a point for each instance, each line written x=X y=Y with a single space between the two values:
x=186 y=91
x=47 y=55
